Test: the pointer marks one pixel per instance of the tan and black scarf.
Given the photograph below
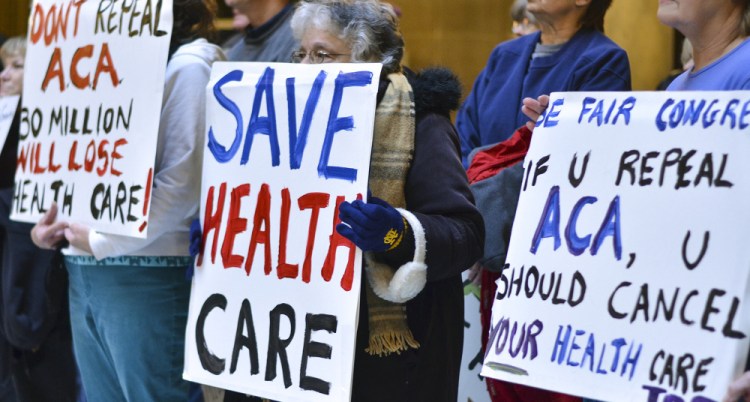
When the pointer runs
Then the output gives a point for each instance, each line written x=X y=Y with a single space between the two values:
x=392 y=154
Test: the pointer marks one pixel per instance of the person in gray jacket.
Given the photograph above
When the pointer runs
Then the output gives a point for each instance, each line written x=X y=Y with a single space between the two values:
x=268 y=37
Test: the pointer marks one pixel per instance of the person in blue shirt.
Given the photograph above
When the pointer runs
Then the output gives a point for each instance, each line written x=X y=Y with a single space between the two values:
x=718 y=31
x=569 y=53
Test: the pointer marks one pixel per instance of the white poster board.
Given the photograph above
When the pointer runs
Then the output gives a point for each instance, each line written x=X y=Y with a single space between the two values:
x=471 y=385
x=93 y=85
x=8 y=106
x=274 y=303
x=627 y=273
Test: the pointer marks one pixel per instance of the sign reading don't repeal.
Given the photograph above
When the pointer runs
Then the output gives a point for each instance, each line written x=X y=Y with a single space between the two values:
x=93 y=85
x=627 y=273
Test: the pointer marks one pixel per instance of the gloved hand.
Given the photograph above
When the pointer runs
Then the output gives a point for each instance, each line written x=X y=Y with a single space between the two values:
x=372 y=226
x=196 y=236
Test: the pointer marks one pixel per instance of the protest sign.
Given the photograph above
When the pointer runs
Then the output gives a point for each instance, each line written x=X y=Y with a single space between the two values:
x=8 y=106
x=274 y=302
x=93 y=85
x=471 y=385
x=627 y=273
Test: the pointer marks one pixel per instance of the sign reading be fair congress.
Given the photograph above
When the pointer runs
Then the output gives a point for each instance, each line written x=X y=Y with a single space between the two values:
x=273 y=308
x=90 y=117
x=627 y=274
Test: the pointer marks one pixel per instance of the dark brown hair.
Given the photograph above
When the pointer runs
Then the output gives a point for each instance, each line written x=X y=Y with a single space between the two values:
x=192 y=19
x=594 y=17
x=745 y=24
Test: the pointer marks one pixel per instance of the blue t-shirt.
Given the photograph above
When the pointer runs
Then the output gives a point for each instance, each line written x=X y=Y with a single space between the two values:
x=730 y=72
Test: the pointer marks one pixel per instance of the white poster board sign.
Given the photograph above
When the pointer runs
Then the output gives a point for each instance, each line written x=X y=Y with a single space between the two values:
x=471 y=385
x=274 y=303
x=627 y=273
x=93 y=85
x=8 y=106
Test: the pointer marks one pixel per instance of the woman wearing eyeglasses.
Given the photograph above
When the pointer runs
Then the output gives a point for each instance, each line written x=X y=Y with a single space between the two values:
x=416 y=167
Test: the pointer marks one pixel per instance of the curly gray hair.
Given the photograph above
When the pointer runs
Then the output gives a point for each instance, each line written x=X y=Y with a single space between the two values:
x=369 y=27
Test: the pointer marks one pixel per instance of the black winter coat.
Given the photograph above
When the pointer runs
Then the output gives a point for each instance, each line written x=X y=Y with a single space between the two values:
x=437 y=193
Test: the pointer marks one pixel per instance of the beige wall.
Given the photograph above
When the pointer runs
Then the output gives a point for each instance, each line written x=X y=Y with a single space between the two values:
x=633 y=25
x=457 y=34
x=13 y=15
x=461 y=35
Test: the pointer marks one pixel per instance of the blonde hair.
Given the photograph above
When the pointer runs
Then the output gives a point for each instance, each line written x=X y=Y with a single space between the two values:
x=15 y=46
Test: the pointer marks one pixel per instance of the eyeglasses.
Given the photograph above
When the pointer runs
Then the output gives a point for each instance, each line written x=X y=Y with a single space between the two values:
x=315 y=56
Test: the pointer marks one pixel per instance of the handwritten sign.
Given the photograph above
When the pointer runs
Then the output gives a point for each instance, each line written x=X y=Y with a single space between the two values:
x=90 y=117
x=471 y=385
x=273 y=308
x=8 y=106
x=627 y=273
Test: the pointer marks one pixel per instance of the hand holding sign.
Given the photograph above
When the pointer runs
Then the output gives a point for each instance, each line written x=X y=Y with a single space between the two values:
x=78 y=236
x=575 y=311
x=47 y=233
x=739 y=389
x=533 y=108
x=375 y=226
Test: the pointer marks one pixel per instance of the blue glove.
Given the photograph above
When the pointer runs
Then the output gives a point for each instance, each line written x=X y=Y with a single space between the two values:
x=375 y=226
x=196 y=236
x=195 y=246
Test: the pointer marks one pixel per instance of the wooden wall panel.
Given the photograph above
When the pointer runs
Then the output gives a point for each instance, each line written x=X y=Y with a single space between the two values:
x=634 y=26
x=456 y=34
x=13 y=17
x=461 y=35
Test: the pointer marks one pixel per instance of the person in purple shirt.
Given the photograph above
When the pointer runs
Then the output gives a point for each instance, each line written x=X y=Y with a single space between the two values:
x=718 y=31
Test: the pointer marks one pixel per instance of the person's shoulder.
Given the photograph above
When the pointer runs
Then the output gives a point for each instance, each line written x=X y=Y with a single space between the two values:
x=197 y=51
x=514 y=52
x=516 y=46
x=594 y=45
x=437 y=90
x=597 y=40
x=743 y=51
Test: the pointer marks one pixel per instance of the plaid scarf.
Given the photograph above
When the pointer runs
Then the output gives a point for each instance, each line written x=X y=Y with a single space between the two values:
x=392 y=153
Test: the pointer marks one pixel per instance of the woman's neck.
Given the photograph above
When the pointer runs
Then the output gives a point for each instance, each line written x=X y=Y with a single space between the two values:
x=708 y=52
x=260 y=12
x=557 y=34
x=561 y=28
x=713 y=41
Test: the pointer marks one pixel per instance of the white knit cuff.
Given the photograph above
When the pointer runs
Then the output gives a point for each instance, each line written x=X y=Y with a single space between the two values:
x=410 y=278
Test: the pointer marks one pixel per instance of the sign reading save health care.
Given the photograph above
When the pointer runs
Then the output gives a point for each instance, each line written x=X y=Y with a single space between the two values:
x=273 y=308
x=627 y=274
x=91 y=105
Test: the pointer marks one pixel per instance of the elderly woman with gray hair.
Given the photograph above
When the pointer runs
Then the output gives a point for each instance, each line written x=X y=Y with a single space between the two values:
x=420 y=217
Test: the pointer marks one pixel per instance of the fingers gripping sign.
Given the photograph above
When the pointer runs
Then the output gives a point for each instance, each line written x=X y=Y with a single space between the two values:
x=78 y=236
x=534 y=108
x=47 y=233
